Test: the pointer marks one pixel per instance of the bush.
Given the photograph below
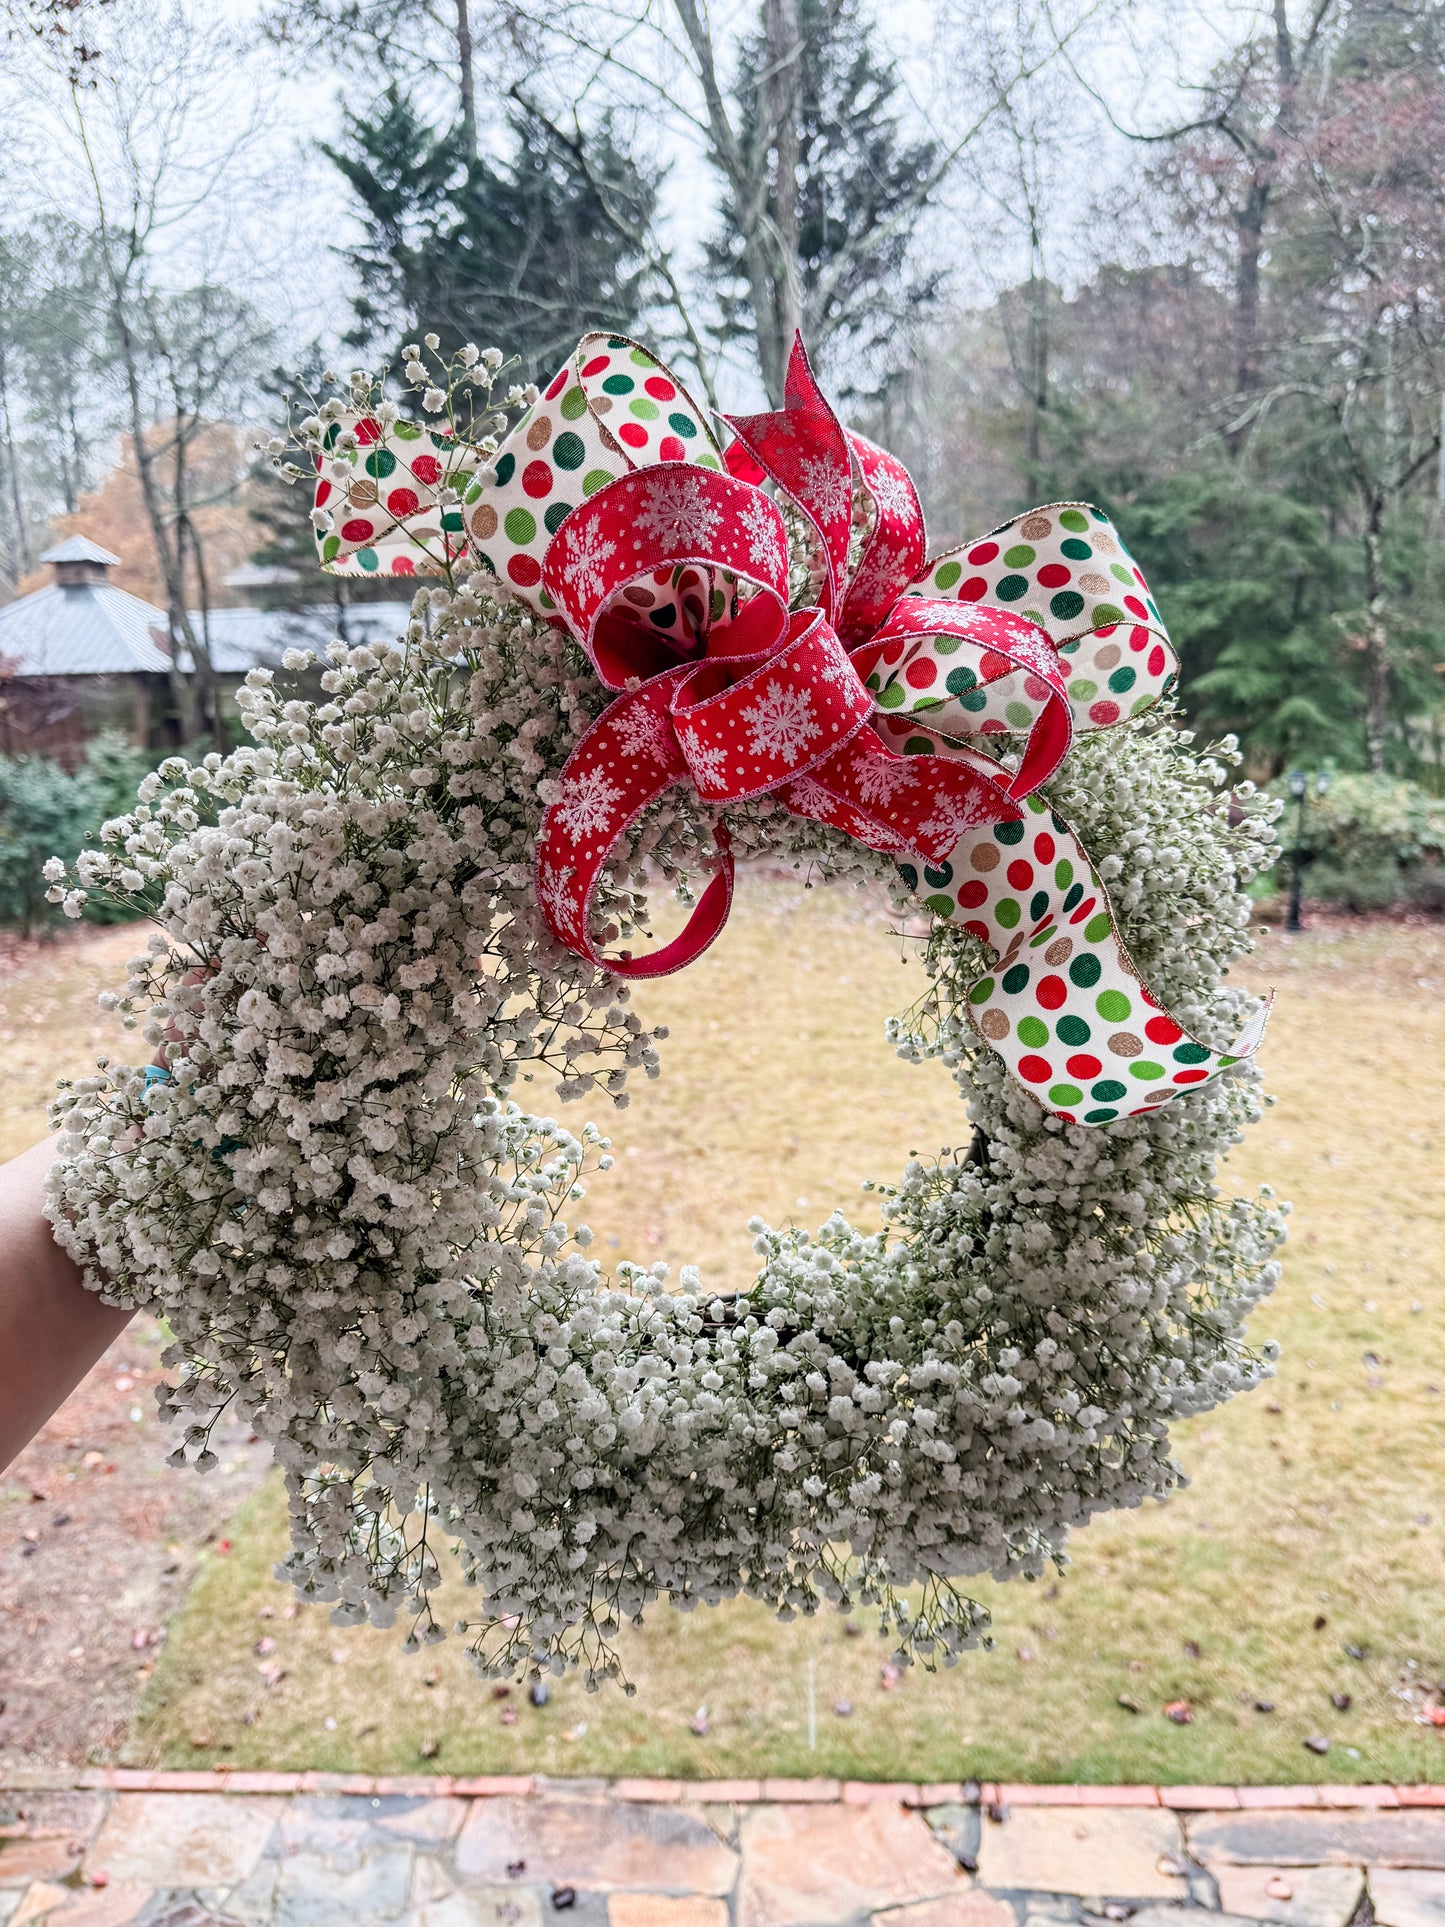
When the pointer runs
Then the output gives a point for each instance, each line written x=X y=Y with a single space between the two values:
x=47 y=811
x=1370 y=842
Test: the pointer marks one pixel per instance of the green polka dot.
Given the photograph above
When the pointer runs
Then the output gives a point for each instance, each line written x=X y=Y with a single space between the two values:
x=947 y=574
x=1015 y=980
x=544 y=600
x=1038 y=904
x=366 y=558
x=947 y=645
x=960 y=680
x=618 y=341
x=1146 y=1070
x=1065 y=1095
x=1033 y=1031
x=1097 y=928
x=1010 y=587
x=1050 y=929
x=1106 y=614
x=1007 y=912
x=521 y=526
x=893 y=697
x=1019 y=715
x=1120 y=573
x=380 y=462
x=407 y=431
x=1100 y=1117
x=1008 y=832
x=1063 y=873
x=940 y=906
x=1122 y=679
x=641 y=358
x=1073 y=1031
x=574 y=404
x=1019 y=557
x=1075 y=550
x=981 y=991
x=556 y=515
x=1073 y=519
x=1113 y=1006
x=568 y=451
x=1085 y=971
x=706 y=461
x=1109 y=1090
x=1140 y=704
x=1067 y=604
x=1190 y=1054
x=1082 y=690
x=683 y=425
x=452 y=520
x=975 y=700
x=506 y=468
x=594 y=479
x=330 y=548
x=618 y=385
x=919 y=746
x=645 y=410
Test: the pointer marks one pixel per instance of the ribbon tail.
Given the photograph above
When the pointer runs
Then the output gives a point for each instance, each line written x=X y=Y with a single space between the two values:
x=1064 y=1006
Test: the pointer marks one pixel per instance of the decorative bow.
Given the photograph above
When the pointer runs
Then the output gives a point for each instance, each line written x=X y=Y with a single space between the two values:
x=611 y=508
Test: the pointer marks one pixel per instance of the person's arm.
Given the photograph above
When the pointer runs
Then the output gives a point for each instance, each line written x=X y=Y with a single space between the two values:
x=52 y=1330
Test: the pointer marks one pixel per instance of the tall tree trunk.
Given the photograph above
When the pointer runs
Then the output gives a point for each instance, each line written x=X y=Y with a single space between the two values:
x=12 y=467
x=784 y=54
x=1377 y=642
x=468 y=78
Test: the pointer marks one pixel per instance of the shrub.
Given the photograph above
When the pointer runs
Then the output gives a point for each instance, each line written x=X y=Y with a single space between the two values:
x=46 y=810
x=1371 y=843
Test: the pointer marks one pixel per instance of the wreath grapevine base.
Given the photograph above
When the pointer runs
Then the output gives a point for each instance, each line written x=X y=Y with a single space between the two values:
x=358 y=1237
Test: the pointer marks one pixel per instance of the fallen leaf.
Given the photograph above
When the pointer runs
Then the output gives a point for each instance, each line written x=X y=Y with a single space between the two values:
x=1264 y=1706
x=1129 y=1706
x=699 y=1723
x=429 y=1748
x=1180 y=1711
x=1354 y=1652
x=515 y=1869
x=501 y=1690
x=843 y=1708
x=1342 y=1702
x=564 y=1897
x=851 y=1629
x=1318 y=1744
x=539 y=1695
x=890 y=1675
x=1193 y=1649
x=93 y=1459
x=509 y=1716
x=1025 y=1654
x=1431 y=1716
x=1321 y=1621
x=263 y=1646
x=575 y=1732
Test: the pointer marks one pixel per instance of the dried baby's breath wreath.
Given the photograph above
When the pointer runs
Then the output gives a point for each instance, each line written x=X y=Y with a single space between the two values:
x=358 y=1239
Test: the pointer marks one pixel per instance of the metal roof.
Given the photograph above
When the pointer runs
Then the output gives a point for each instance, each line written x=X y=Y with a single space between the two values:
x=88 y=630
x=243 y=639
x=78 y=548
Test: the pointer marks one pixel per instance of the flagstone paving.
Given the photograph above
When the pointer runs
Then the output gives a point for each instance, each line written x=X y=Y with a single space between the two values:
x=124 y=1849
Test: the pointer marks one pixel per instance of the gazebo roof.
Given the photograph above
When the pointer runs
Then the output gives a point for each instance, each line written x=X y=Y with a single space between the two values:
x=79 y=548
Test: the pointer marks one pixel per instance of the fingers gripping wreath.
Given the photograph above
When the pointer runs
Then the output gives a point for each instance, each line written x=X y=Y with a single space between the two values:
x=423 y=884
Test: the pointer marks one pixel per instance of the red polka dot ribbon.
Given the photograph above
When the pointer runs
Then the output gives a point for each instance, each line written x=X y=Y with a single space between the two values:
x=612 y=509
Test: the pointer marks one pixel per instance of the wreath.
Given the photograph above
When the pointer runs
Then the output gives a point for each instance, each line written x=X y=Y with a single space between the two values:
x=637 y=657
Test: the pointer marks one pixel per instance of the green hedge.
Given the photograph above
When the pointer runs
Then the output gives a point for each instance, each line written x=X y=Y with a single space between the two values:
x=1370 y=843
x=47 y=811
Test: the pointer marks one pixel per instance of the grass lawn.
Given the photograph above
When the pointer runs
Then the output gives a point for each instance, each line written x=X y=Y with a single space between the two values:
x=1305 y=1562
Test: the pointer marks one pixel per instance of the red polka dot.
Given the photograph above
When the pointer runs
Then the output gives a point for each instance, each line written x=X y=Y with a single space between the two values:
x=1035 y=1070
x=1103 y=713
x=1068 y=1117
x=993 y=665
x=1155 y=664
x=1196 y=1076
x=368 y=430
x=524 y=571
x=1162 y=1030
x=1084 y=910
x=633 y=433
x=1020 y=874
x=1152 y=1002
x=663 y=578
x=1053 y=575
x=979 y=930
x=1136 y=607
x=659 y=387
x=1083 y=1067
x=1052 y=992
x=357 y=531
x=920 y=673
x=693 y=610
x=403 y=565
x=323 y=492
x=559 y=382
x=976 y=586
x=1044 y=847
x=537 y=479
x=428 y=469
x=403 y=501
x=1037 y=689
x=973 y=893
x=985 y=552
x=1138 y=639
x=596 y=365
x=993 y=727
x=670 y=449
x=894 y=650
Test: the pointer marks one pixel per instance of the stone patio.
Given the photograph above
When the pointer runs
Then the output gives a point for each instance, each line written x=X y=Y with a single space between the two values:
x=133 y=1849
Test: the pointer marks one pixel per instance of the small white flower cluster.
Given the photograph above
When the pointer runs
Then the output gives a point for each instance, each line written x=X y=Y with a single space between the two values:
x=357 y=1238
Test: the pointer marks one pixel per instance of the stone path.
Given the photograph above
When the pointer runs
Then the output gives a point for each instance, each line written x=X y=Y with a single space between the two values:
x=113 y=1848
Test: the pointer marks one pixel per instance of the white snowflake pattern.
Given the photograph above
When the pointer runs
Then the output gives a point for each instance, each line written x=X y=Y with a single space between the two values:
x=952 y=817
x=555 y=896
x=765 y=545
x=587 y=550
x=826 y=488
x=880 y=573
x=587 y=805
x=641 y=730
x=881 y=778
x=781 y=723
x=707 y=761
x=808 y=797
x=676 y=510
x=892 y=494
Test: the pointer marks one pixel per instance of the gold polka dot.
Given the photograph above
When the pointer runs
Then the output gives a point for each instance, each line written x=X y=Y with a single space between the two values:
x=1105 y=543
x=600 y=404
x=361 y=495
x=638 y=597
x=1125 y=1044
x=1092 y=584
x=1106 y=657
x=985 y=857
x=1059 y=951
x=1034 y=528
x=484 y=521
x=540 y=433
x=994 y=1024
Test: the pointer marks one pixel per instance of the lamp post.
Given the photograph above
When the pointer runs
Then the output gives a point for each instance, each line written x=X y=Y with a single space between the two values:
x=1299 y=786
